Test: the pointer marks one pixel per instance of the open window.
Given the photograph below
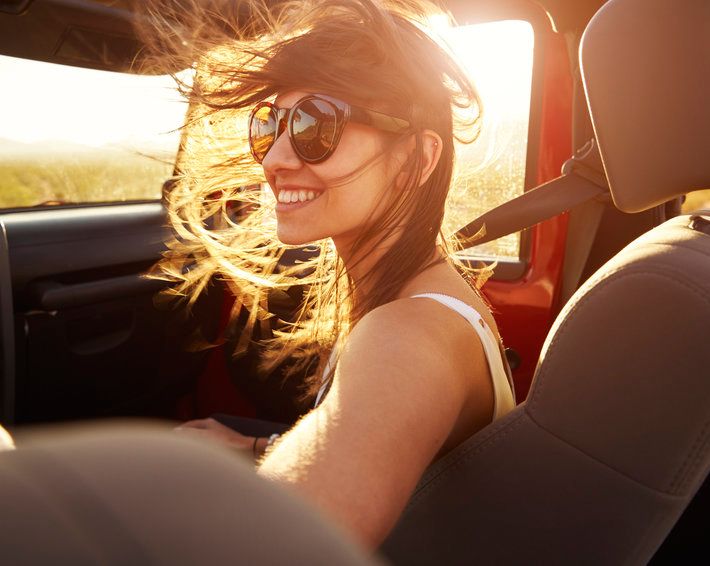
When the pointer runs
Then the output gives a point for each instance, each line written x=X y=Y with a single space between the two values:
x=492 y=170
x=73 y=136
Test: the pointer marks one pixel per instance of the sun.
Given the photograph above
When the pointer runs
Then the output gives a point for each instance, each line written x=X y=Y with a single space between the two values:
x=498 y=57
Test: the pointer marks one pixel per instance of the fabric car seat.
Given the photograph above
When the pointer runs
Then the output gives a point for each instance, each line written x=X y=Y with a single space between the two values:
x=136 y=494
x=614 y=439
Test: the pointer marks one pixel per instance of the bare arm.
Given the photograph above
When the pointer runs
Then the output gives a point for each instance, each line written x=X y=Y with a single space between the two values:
x=396 y=395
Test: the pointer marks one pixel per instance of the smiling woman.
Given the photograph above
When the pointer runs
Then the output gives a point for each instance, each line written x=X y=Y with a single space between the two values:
x=70 y=135
x=347 y=110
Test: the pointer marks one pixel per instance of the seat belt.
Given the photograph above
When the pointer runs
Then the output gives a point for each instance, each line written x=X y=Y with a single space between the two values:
x=582 y=187
x=584 y=220
x=581 y=181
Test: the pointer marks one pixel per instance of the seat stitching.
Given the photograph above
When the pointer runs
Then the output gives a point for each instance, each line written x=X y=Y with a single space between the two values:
x=667 y=491
x=608 y=279
x=466 y=454
x=692 y=461
x=679 y=244
x=419 y=494
x=662 y=272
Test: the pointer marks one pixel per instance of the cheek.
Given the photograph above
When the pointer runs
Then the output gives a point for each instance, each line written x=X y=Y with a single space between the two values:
x=359 y=201
x=358 y=145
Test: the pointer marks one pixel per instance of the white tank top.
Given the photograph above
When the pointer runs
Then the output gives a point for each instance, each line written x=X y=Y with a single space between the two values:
x=504 y=401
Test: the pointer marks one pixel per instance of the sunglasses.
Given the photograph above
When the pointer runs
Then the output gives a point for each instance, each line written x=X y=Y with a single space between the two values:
x=314 y=125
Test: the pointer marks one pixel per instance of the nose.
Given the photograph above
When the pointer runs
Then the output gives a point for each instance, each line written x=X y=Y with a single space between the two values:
x=281 y=156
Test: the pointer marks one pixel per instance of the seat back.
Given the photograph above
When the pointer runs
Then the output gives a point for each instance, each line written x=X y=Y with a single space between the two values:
x=645 y=66
x=614 y=439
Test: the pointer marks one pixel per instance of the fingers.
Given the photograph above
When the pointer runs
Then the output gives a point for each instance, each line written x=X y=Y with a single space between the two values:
x=206 y=424
x=216 y=431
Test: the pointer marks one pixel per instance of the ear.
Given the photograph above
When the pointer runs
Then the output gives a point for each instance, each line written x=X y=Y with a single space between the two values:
x=431 y=153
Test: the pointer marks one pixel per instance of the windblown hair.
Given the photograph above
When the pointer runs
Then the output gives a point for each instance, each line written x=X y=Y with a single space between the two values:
x=375 y=54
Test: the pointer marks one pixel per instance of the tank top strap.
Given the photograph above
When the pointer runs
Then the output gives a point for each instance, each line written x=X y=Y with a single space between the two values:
x=504 y=400
x=327 y=376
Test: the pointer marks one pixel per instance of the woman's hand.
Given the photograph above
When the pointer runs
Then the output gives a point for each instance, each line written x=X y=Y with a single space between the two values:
x=214 y=430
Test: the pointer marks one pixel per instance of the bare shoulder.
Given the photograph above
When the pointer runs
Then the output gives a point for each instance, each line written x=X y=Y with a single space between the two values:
x=412 y=322
x=412 y=340
x=394 y=401
x=404 y=324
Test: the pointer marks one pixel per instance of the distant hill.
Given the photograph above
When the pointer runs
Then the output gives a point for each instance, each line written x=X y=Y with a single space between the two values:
x=11 y=150
x=18 y=148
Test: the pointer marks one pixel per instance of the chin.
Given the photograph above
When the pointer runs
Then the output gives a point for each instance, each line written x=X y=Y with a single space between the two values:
x=296 y=239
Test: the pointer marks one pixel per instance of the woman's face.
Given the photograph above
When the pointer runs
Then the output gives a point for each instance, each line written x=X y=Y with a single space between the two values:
x=313 y=202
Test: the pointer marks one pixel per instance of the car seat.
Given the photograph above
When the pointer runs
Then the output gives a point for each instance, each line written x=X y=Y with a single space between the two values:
x=136 y=493
x=614 y=439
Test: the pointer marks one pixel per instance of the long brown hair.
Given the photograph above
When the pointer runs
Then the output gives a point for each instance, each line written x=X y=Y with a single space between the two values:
x=376 y=54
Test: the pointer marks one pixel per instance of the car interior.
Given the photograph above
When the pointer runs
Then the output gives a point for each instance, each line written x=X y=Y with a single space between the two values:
x=602 y=305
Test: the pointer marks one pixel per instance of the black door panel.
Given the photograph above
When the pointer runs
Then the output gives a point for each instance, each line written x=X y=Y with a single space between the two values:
x=88 y=340
x=52 y=295
x=79 y=242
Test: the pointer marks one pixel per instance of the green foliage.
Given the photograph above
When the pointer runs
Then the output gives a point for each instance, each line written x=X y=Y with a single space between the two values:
x=80 y=176
x=31 y=179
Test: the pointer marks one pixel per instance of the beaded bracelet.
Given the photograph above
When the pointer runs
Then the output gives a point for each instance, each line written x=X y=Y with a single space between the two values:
x=273 y=438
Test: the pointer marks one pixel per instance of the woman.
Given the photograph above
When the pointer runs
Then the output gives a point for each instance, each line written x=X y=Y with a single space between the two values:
x=351 y=124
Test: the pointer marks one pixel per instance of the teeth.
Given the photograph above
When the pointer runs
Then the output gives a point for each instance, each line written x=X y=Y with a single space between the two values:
x=291 y=196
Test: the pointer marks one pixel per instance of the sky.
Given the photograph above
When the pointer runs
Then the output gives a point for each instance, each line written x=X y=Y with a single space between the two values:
x=498 y=56
x=49 y=102
x=43 y=101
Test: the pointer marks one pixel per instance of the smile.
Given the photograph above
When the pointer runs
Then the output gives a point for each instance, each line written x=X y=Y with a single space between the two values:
x=288 y=196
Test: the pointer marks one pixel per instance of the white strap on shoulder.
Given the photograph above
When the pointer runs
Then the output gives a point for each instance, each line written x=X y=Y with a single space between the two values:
x=503 y=394
x=326 y=377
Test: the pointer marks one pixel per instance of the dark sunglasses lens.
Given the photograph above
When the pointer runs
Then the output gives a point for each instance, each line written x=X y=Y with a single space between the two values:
x=262 y=132
x=313 y=124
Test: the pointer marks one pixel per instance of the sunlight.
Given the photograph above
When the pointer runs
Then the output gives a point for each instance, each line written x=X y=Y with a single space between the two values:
x=49 y=102
x=96 y=108
x=498 y=57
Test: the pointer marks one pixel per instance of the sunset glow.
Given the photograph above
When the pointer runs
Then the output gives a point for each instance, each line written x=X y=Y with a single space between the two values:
x=498 y=57
x=47 y=102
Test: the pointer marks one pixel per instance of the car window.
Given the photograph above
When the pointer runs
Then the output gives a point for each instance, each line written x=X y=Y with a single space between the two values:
x=499 y=57
x=70 y=135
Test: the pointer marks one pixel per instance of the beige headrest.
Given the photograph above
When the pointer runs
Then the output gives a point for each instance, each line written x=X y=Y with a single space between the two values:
x=646 y=71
